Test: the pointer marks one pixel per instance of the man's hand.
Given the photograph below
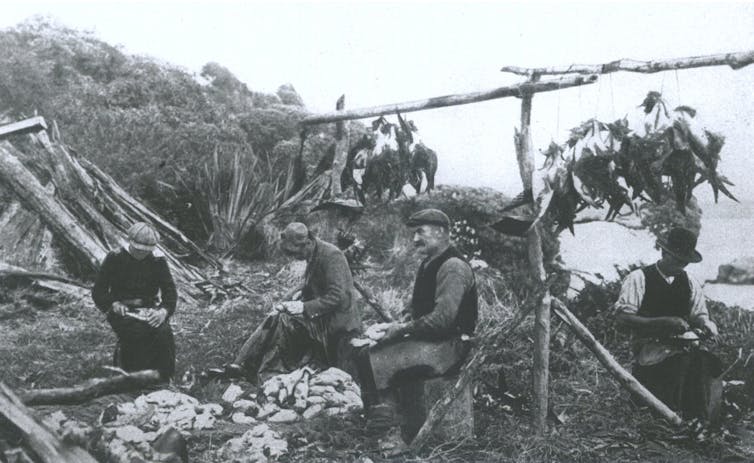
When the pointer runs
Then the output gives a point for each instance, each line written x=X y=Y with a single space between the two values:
x=675 y=325
x=118 y=308
x=394 y=331
x=156 y=317
x=293 y=307
x=710 y=328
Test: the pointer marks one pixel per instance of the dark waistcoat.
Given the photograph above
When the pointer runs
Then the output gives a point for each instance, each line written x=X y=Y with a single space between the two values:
x=662 y=299
x=423 y=301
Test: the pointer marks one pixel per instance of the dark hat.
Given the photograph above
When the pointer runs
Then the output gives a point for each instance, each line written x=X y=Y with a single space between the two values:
x=681 y=243
x=295 y=234
x=429 y=217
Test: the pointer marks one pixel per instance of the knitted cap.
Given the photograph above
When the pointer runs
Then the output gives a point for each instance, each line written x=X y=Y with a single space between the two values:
x=142 y=236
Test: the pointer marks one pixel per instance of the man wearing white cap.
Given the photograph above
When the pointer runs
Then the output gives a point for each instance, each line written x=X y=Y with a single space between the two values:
x=135 y=289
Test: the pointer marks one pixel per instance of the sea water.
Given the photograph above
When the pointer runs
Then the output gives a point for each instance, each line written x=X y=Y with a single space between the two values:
x=727 y=234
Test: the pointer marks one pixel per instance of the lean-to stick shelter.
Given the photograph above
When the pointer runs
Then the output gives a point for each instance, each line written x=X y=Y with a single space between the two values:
x=571 y=76
x=66 y=214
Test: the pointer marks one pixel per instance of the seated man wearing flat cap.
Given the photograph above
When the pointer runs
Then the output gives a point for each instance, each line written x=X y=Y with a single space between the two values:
x=431 y=341
x=135 y=290
x=661 y=304
x=318 y=326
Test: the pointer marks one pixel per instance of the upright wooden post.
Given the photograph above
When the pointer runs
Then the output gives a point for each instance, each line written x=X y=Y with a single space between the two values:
x=541 y=373
x=341 y=150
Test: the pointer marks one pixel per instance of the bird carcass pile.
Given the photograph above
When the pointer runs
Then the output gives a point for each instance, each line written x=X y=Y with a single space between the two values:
x=121 y=444
x=662 y=155
x=301 y=394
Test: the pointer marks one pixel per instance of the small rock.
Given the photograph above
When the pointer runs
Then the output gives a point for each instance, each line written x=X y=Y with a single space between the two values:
x=267 y=410
x=214 y=409
x=245 y=405
x=300 y=405
x=315 y=399
x=312 y=411
x=232 y=394
x=258 y=430
x=204 y=421
x=165 y=398
x=284 y=416
x=242 y=418
x=130 y=433
x=332 y=411
x=55 y=420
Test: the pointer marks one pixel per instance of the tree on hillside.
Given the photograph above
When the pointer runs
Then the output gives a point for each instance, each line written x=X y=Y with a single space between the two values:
x=151 y=125
x=288 y=95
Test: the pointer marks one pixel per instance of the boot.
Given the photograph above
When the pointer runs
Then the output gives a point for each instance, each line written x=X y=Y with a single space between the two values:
x=382 y=420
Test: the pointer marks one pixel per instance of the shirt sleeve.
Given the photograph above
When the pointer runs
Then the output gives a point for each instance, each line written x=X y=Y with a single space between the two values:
x=168 y=293
x=631 y=293
x=699 y=313
x=454 y=278
x=101 y=291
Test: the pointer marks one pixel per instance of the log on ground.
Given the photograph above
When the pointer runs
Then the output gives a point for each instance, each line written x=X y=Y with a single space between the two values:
x=41 y=440
x=96 y=387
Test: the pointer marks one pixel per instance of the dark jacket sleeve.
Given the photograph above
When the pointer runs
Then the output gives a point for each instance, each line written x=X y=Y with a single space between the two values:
x=454 y=278
x=101 y=292
x=168 y=294
x=337 y=283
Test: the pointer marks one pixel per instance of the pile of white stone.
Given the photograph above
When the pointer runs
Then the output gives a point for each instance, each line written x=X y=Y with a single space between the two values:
x=160 y=410
x=257 y=445
x=299 y=395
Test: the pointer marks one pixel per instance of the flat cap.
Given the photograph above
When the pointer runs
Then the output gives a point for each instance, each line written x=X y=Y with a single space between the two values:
x=429 y=217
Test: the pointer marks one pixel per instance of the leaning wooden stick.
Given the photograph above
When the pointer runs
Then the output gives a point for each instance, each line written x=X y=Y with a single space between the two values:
x=95 y=387
x=613 y=367
x=468 y=369
x=41 y=440
x=372 y=301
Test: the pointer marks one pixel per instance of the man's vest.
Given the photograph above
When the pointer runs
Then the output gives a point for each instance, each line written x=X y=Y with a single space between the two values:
x=662 y=299
x=423 y=301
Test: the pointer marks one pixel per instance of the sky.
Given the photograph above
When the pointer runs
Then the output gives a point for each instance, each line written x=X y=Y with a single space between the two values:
x=387 y=52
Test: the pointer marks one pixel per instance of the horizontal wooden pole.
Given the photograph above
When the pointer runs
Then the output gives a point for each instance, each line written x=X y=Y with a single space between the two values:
x=517 y=90
x=734 y=60
x=34 y=124
x=613 y=367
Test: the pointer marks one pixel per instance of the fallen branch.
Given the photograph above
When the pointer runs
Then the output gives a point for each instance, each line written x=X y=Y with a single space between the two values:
x=34 y=124
x=41 y=440
x=734 y=60
x=11 y=271
x=95 y=387
x=516 y=90
x=613 y=367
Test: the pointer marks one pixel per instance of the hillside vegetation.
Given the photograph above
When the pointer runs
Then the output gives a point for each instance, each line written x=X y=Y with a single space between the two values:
x=170 y=137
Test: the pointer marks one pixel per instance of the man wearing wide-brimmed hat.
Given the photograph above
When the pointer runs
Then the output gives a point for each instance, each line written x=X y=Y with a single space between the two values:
x=135 y=289
x=662 y=305
x=315 y=328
